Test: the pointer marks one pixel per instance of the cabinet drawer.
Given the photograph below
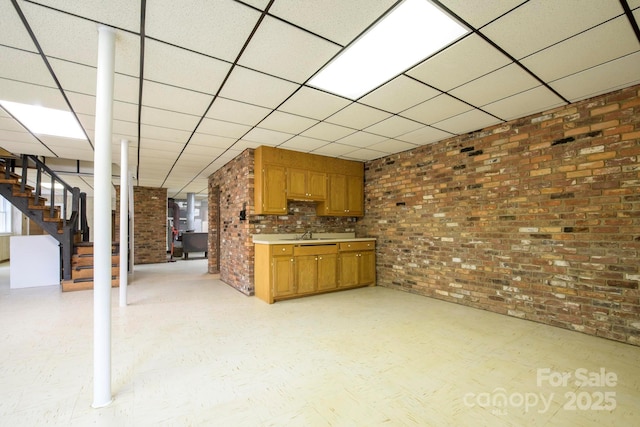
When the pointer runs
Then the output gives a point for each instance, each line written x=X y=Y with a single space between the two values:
x=357 y=246
x=315 y=249
x=282 y=250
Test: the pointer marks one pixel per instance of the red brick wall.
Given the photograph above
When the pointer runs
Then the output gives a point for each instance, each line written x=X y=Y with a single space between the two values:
x=150 y=224
x=233 y=185
x=537 y=218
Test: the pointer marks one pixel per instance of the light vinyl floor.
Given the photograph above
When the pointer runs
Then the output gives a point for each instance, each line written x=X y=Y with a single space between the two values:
x=189 y=350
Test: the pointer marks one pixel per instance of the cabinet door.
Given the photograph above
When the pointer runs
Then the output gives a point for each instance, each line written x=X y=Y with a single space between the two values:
x=296 y=183
x=355 y=196
x=348 y=269
x=283 y=276
x=317 y=185
x=327 y=271
x=337 y=197
x=367 y=268
x=274 y=199
x=306 y=273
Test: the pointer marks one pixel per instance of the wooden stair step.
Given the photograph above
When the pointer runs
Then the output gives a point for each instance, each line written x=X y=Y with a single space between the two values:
x=40 y=203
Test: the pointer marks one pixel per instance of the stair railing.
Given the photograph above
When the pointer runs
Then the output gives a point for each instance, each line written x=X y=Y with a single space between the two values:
x=78 y=199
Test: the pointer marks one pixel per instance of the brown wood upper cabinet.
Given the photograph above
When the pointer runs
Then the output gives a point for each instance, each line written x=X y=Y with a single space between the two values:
x=336 y=185
x=346 y=194
x=303 y=184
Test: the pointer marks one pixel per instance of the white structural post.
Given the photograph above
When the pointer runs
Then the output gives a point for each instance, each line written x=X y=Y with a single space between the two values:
x=124 y=220
x=102 y=220
x=191 y=211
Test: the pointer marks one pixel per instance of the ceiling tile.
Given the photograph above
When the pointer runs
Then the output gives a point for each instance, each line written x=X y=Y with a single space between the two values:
x=161 y=149
x=24 y=67
x=603 y=78
x=123 y=14
x=436 y=109
x=56 y=31
x=244 y=144
x=212 y=140
x=237 y=112
x=129 y=130
x=303 y=143
x=171 y=119
x=86 y=104
x=256 y=88
x=82 y=79
x=479 y=13
x=425 y=135
x=123 y=111
x=460 y=63
x=386 y=97
x=21 y=142
x=361 y=139
x=187 y=69
x=364 y=154
x=601 y=44
x=520 y=35
x=358 y=116
x=313 y=103
x=394 y=126
x=296 y=60
x=25 y=93
x=223 y=128
x=285 y=122
x=334 y=150
x=207 y=153
x=216 y=28
x=391 y=146
x=327 y=132
x=148 y=132
x=266 y=136
x=342 y=21
x=174 y=99
x=13 y=32
x=525 y=103
x=467 y=122
x=260 y=4
x=506 y=81
x=7 y=123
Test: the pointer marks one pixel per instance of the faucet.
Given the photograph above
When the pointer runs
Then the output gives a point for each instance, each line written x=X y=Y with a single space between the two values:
x=308 y=232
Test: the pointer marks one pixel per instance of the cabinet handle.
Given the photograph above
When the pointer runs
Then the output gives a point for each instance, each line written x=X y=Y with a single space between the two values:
x=284 y=249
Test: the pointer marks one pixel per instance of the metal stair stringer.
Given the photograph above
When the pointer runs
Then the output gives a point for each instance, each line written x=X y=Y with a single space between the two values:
x=70 y=225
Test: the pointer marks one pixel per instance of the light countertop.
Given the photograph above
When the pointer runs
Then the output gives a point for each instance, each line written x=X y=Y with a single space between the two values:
x=316 y=238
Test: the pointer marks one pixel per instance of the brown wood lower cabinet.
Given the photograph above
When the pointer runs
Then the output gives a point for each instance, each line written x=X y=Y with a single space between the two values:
x=292 y=270
x=357 y=264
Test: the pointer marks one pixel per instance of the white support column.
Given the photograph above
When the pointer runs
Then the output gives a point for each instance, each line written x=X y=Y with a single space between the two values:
x=124 y=220
x=102 y=220
x=191 y=211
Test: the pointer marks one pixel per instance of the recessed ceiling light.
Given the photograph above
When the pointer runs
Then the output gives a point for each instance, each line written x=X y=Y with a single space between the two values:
x=405 y=36
x=45 y=121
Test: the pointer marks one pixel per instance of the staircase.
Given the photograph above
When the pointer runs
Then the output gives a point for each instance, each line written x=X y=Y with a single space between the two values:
x=67 y=223
x=82 y=267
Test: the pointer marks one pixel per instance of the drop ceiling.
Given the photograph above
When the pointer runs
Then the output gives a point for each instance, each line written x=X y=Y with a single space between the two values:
x=199 y=81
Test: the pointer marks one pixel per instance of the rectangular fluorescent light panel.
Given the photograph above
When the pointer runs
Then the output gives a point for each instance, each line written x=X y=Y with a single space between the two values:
x=408 y=34
x=45 y=121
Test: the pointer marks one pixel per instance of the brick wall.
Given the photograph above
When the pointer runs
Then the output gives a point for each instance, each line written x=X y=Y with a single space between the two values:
x=229 y=188
x=537 y=218
x=150 y=224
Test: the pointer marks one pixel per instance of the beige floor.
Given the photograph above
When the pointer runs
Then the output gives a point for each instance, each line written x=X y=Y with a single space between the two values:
x=190 y=350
